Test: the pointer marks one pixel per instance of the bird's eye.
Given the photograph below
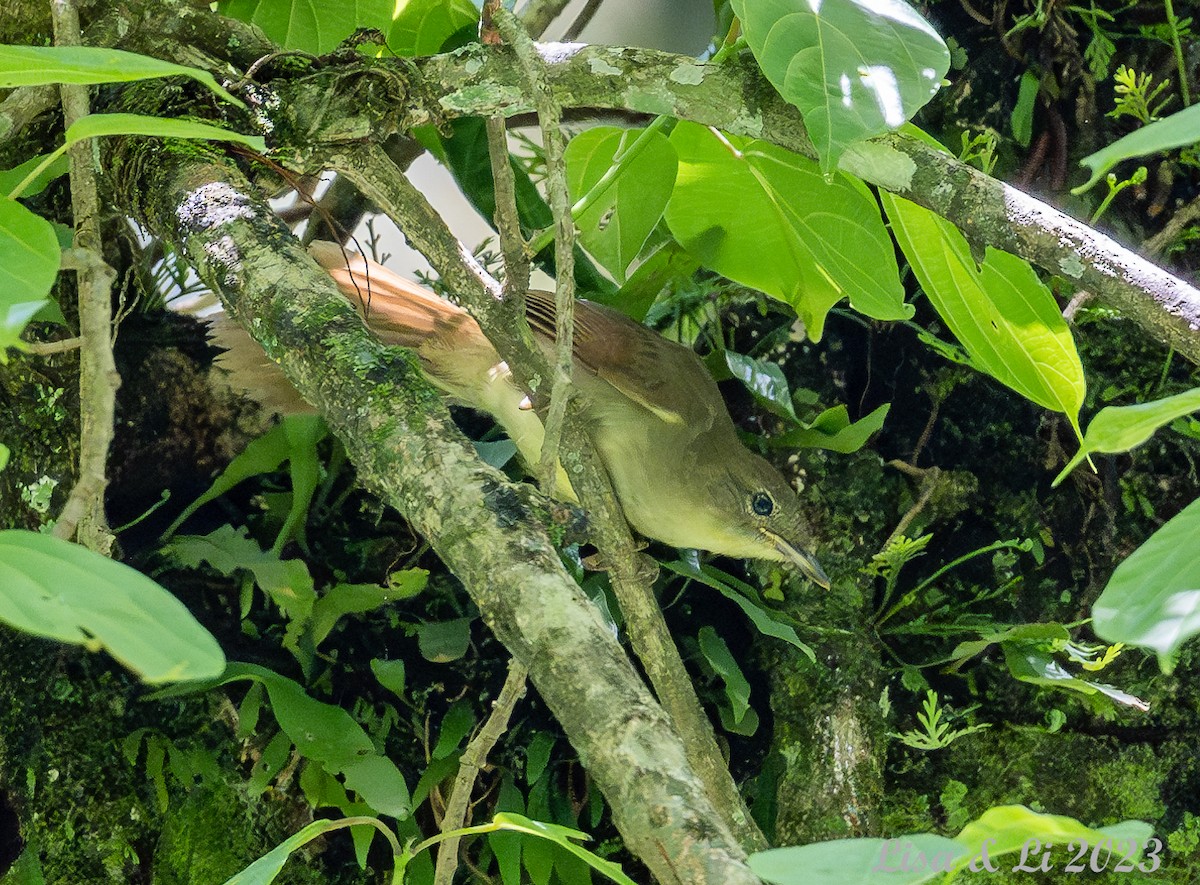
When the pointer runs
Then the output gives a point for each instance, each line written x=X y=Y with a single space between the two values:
x=762 y=504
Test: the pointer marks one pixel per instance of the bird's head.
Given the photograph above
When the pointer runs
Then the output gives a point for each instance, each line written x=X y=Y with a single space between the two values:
x=745 y=508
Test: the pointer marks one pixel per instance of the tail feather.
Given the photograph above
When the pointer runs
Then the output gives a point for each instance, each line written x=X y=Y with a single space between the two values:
x=398 y=310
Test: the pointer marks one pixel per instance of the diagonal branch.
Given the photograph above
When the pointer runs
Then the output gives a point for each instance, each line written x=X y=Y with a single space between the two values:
x=406 y=448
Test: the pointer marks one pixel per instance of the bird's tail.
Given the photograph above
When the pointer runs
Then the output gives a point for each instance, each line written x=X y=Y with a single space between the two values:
x=398 y=311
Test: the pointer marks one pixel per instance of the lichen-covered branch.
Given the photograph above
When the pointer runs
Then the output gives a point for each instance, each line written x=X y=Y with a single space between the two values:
x=388 y=189
x=734 y=96
x=406 y=448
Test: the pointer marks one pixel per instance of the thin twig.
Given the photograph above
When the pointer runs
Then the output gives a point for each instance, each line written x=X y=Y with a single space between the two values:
x=1078 y=300
x=507 y=220
x=83 y=515
x=1158 y=243
x=473 y=759
x=550 y=119
x=49 y=348
x=582 y=20
x=539 y=15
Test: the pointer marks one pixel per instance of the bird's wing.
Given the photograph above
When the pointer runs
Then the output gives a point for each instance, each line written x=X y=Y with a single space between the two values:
x=662 y=376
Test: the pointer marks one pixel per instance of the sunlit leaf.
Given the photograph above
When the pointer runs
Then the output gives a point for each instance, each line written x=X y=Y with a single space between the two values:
x=765 y=380
x=310 y=25
x=834 y=431
x=423 y=26
x=1121 y=428
x=52 y=588
x=768 y=218
x=854 y=68
x=40 y=65
x=1153 y=598
x=1010 y=827
x=617 y=223
x=29 y=258
x=905 y=860
x=1001 y=312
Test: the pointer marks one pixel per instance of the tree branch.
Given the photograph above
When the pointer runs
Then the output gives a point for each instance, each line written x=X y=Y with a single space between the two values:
x=406 y=448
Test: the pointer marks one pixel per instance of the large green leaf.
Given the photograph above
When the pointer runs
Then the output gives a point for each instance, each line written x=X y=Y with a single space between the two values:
x=40 y=65
x=423 y=26
x=1001 y=312
x=1178 y=130
x=1007 y=829
x=854 y=68
x=310 y=25
x=768 y=218
x=1121 y=428
x=615 y=226
x=50 y=587
x=29 y=257
x=1153 y=598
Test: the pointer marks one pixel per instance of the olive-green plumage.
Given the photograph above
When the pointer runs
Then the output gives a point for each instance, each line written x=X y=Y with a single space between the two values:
x=654 y=413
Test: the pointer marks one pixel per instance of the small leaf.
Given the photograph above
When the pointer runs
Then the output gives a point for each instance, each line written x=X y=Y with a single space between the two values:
x=96 y=125
x=1178 y=130
x=1012 y=826
x=768 y=218
x=456 y=725
x=537 y=756
x=615 y=226
x=380 y=784
x=717 y=653
x=833 y=430
x=1022 y=112
x=422 y=27
x=1001 y=313
x=1121 y=428
x=444 y=641
x=41 y=65
x=1035 y=666
x=50 y=167
x=562 y=837
x=52 y=588
x=347 y=599
x=264 y=870
x=390 y=675
x=1153 y=598
x=854 y=68
x=765 y=380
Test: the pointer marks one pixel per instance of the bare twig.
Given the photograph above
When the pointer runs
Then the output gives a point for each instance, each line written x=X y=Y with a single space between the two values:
x=473 y=759
x=550 y=119
x=538 y=15
x=508 y=223
x=1078 y=300
x=49 y=348
x=83 y=515
x=1158 y=243
x=582 y=20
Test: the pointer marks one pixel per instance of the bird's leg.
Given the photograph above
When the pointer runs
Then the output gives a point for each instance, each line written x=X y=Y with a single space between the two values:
x=646 y=565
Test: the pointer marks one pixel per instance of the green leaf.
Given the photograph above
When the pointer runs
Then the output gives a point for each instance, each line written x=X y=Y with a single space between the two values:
x=768 y=218
x=742 y=595
x=765 y=380
x=905 y=860
x=96 y=125
x=293 y=439
x=1012 y=826
x=444 y=641
x=1030 y=664
x=348 y=599
x=422 y=27
x=1021 y=118
x=537 y=755
x=1001 y=313
x=264 y=870
x=41 y=65
x=286 y=581
x=833 y=430
x=456 y=725
x=562 y=837
x=49 y=166
x=1153 y=598
x=380 y=784
x=854 y=68
x=390 y=675
x=1178 y=130
x=616 y=224
x=27 y=269
x=1121 y=428
x=310 y=25
x=717 y=653
x=52 y=588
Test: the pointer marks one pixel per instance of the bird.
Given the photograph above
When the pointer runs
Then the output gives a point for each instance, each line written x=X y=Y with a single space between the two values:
x=652 y=410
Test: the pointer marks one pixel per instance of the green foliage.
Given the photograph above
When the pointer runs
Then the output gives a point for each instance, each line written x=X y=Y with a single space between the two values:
x=307 y=25
x=935 y=730
x=1002 y=313
x=621 y=180
x=745 y=208
x=1151 y=600
x=28 y=271
x=1123 y=428
x=52 y=588
x=1136 y=96
x=854 y=68
x=1178 y=130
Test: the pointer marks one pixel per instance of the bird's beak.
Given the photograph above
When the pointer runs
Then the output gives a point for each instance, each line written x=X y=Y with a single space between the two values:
x=803 y=560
